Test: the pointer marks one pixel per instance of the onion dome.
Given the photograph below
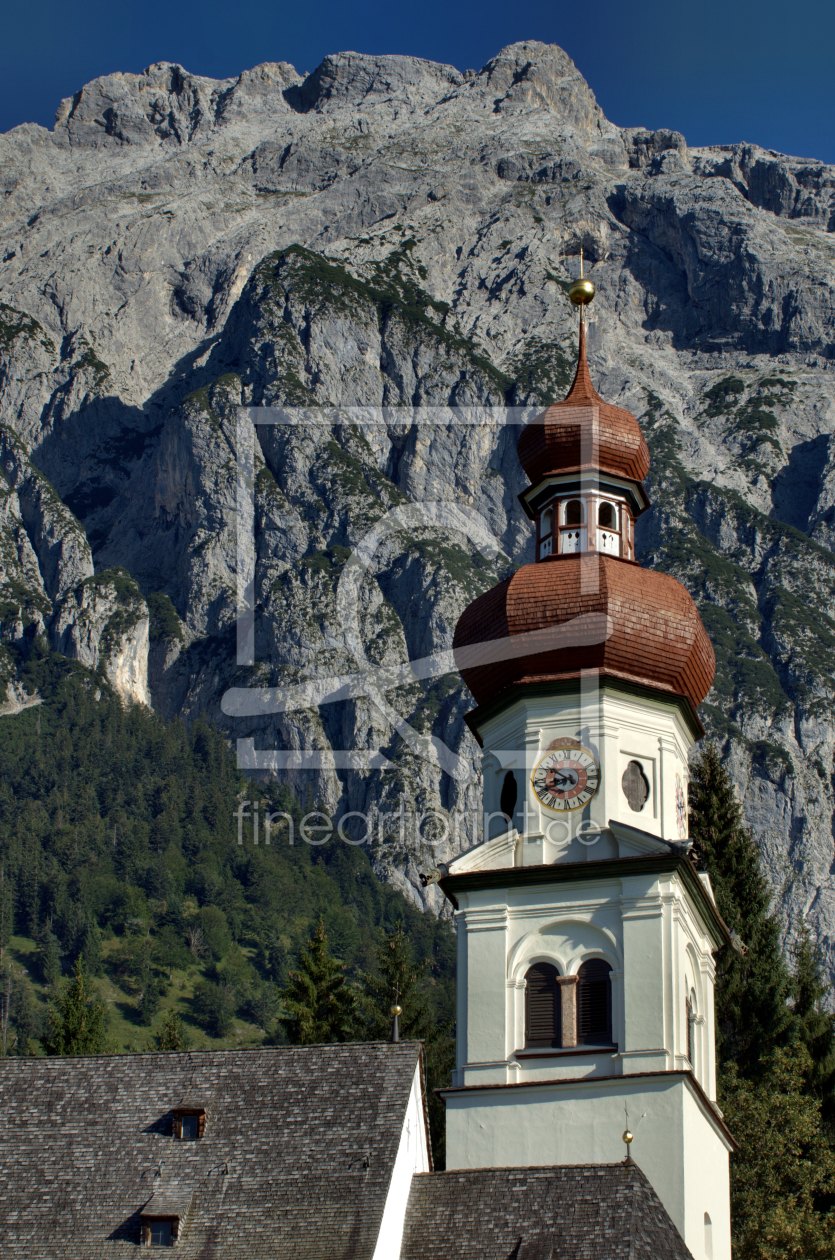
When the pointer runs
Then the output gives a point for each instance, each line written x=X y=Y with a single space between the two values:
x=572 y=613
x=570 y=437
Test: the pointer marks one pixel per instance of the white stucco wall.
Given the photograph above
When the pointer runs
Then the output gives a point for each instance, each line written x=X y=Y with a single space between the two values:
x=412 y=1157
x=679 y=1148
x=646 y=926
x=616 y=727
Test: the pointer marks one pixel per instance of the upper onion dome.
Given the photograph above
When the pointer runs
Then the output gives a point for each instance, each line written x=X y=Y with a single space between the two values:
x=544 y=623
x=552 y=443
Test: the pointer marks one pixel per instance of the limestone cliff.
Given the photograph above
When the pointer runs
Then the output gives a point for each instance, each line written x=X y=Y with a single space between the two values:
x=388 y=232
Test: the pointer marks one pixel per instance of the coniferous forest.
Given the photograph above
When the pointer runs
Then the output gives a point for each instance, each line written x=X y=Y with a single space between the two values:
x=119 y=850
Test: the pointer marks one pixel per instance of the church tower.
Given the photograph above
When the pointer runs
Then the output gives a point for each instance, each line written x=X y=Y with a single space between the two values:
x=586 y=936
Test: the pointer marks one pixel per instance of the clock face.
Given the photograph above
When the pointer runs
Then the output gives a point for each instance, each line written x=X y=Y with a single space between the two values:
x=681 y=809
x=567 y=777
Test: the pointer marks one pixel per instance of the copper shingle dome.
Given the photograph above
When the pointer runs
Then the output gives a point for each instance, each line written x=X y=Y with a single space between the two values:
x=585 y=606
x=569 y=613
x=565 y=438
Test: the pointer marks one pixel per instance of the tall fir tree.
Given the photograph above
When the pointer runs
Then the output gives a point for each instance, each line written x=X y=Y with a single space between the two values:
x=752 y=987
x=172 y=1036
x=49 y=955
x=6 y=908
x=319 y=1006
x=26 y=1017
x=91 y=948
x=783 y=1179
x=396 y=982
x=77 y=1022
x=814 y=1025
x=400 y=981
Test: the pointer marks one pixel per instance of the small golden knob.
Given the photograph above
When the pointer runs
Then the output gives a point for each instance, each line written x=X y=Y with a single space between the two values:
x=628 y=1137
x=581 y=292
x=397 y=1010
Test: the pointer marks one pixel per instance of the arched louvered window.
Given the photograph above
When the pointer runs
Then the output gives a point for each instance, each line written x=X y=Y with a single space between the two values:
x=542 y=1006
x=688 y=1015
x=510 y=791
x=594 y=1004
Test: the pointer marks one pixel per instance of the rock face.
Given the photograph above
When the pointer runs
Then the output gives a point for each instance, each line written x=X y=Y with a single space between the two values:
x=389 y=233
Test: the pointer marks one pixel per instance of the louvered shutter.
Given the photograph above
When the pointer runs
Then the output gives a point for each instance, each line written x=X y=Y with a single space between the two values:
x=542 y=1006
x=594 y=1004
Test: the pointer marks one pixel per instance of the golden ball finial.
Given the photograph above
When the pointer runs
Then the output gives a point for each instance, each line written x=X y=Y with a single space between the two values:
x=581 y=292
x=397 y=1010
x=628 y=1137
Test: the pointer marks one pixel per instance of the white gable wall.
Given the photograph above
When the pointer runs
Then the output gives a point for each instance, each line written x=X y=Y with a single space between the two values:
x=412 y=1157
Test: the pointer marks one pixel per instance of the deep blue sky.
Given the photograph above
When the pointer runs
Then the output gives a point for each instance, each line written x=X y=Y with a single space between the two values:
x=720 y=71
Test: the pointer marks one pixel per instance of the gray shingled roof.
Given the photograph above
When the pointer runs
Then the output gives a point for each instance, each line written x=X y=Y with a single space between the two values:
x=295 y=1161
x=574 y=1212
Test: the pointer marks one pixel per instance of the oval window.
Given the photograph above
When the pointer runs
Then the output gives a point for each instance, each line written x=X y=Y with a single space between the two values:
x=635 y=786
x=507 y=804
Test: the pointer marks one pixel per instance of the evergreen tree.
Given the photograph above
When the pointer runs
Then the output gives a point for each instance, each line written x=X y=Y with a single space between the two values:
x=6 y=990
x=217 y=1007
x=91 y=948
x=752 y=987
x=318 y=1003
x=814 y=1025
x=397 y=982
x=49 y=955
x=26 y=1018
x=150 y=999
x=77 y=1023
x=783 y=1180
x=400 y=981
x=263 y=1005
x=6 y=908
x=172 y=1035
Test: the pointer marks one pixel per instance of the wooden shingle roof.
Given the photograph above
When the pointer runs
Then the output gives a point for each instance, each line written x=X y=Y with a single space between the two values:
x=573 y=1212
x=295 y=1161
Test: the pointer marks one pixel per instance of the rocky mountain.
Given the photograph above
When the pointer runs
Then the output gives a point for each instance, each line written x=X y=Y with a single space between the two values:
x=383 y=247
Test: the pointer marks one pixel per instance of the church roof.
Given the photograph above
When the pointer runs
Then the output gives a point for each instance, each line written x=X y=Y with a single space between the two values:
x=295 y=1159
x=573 y=1212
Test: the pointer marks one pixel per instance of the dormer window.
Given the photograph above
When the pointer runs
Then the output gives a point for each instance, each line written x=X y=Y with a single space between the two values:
x=160 y=1232
x=164 y=1216
x=189 y=1123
